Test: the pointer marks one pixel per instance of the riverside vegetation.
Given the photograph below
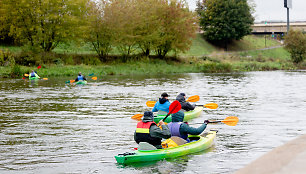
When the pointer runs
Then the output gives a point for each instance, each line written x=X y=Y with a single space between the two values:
x=67 y=60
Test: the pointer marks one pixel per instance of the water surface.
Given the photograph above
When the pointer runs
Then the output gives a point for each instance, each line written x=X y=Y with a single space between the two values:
x=52 y=127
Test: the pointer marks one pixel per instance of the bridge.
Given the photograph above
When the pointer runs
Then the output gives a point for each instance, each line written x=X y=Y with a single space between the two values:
x=277 y=28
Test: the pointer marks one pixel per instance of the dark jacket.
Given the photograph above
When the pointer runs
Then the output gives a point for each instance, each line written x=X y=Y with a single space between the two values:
x=185 y=129
x=185 y=105
x=155 y=132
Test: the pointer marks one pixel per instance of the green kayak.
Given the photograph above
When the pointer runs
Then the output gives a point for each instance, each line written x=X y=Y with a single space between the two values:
x=81 y=82
x=33 y=78
x=188 y=115
x=203 y=142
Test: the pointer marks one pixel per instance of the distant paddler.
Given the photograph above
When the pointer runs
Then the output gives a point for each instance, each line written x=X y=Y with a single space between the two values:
x=80 y=77
x=33 y=75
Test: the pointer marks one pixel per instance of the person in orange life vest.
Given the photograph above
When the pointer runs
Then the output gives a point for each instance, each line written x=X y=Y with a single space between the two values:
x=180 y=129
x=148 y=131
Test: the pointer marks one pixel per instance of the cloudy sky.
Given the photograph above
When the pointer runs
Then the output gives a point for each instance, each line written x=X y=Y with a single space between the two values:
x=273 y=10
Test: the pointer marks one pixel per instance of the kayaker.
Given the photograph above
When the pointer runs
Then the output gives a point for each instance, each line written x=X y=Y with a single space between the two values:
x=148 y=131
x=33 y=74
x=162 y=105
x=186 y=106
x=179 y=128
x=80 y=77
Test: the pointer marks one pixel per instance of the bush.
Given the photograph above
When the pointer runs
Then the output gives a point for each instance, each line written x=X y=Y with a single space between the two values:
x=295 y=44
x=15 y=71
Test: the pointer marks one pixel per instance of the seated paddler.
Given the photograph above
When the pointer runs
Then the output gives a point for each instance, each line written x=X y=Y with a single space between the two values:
x=80 y=77
x=33 y=74
x=162 y=105
x=180 y=129
x=148 y=131
x=186 y=106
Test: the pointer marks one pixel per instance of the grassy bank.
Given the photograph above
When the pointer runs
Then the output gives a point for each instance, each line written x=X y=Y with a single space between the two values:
x=202 y=57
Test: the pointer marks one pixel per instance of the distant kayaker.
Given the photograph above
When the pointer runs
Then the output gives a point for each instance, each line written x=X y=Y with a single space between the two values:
x=162 y=105
x=186 y=106
x=33 y=74
x=80 y=77
x=180 y=129
x=148 y=131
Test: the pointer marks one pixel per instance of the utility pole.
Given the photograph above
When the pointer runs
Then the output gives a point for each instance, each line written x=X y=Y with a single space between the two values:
x=288 y=4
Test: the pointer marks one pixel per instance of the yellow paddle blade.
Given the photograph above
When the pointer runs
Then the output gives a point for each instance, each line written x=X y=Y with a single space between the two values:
x=94 y=78
x=71 y=81
x=26 y=75
x=231 y=120
x=194 y=98
x=150 y=103
x=211 y=105
x=45 y=78
x=137 y=116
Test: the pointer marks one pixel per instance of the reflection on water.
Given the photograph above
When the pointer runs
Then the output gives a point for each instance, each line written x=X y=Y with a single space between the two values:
x=54 y=127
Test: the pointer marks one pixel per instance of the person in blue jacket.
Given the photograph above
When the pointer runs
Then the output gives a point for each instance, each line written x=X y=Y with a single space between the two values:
x=179 y=128
x=80 y=77
x=162 y=105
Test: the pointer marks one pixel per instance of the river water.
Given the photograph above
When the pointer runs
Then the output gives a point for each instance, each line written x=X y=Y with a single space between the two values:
x=52 y=127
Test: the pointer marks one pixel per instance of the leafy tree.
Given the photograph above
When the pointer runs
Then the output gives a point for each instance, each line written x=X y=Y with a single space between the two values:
x=100 y=30
x=295 y=43
x=45 y=23
x=225 y=20
x=178 y=26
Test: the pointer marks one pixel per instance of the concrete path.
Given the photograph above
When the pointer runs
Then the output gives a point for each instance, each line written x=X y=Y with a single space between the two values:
x=289 y=158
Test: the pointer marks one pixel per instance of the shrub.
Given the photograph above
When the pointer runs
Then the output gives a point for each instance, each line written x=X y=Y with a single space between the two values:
x=295 y=43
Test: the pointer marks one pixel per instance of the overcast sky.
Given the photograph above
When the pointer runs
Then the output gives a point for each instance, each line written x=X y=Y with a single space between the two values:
x=273 y=10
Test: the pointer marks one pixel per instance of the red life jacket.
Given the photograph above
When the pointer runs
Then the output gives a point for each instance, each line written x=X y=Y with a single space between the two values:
x=143 y=133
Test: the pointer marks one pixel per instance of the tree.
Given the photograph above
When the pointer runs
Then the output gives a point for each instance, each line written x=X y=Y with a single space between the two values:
x=178 y=26
x=295 y=43
x=100 y=30
x=44 y=24
x=225 y=20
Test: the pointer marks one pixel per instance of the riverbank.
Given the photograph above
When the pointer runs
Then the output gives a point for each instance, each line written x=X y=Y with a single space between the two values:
x=288 y=158
x=249 y=54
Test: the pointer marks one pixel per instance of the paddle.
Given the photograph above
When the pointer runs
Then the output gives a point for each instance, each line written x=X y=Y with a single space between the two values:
x=194 y=98
x=210 y=105
x=231 y=121
x=174 y=107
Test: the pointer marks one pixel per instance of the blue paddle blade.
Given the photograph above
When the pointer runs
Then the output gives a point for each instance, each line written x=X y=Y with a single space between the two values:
x=91 y=74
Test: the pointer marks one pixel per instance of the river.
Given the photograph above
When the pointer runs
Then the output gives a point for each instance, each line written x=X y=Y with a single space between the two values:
x=53 y=127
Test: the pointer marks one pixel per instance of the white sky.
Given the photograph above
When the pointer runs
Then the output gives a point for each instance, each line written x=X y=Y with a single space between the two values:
x=273 y=10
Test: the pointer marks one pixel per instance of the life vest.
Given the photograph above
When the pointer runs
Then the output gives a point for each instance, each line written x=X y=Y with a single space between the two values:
x=175 y=129
x=143 y=133
x=80 y=77
x=32 y=74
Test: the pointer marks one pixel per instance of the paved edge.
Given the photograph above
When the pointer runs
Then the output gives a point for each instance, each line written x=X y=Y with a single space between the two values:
x=288 y=157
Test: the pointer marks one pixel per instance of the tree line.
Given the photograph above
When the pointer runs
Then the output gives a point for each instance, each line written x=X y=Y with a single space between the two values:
x=148 y=27
x=130 y=26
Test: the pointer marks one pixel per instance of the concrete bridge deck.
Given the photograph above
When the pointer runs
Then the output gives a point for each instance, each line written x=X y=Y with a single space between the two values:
x=277 y=27
x=289 y=158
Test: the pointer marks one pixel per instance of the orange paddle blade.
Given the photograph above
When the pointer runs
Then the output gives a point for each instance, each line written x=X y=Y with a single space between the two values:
x=94 y=78
x=231 y=120
x=26 y=75
x=137 y=116
x=71 y=81
x=45 y=78
x=211 y=105
x=194 y=98
x=150 y=103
